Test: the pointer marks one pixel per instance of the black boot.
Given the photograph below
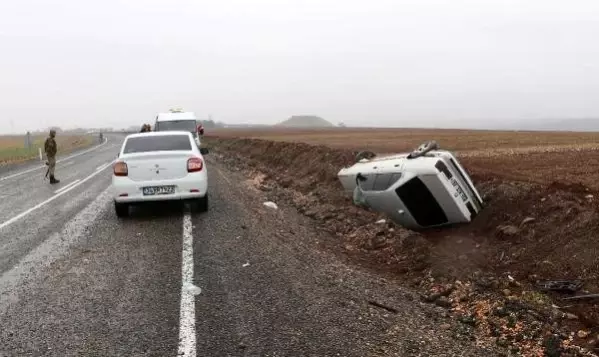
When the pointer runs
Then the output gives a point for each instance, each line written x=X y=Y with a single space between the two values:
x=53 y=180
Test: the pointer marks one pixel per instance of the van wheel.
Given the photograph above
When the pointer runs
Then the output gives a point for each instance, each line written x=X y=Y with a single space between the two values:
x=121 y=209
x=202 y=203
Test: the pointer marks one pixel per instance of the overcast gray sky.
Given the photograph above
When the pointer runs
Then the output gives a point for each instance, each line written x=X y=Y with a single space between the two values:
x=377 y=62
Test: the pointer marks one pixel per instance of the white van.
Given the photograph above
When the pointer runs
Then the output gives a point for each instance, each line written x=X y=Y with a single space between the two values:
x=177 y=119
x=422 y=189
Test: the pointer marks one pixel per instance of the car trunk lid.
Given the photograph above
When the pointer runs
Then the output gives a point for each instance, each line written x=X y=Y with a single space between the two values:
x=157 y=166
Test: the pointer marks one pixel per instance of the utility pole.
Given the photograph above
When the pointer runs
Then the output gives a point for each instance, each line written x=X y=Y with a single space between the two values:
x=28 y=141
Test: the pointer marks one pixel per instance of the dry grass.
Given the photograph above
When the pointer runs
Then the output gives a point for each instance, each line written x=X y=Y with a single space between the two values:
x=13 y=150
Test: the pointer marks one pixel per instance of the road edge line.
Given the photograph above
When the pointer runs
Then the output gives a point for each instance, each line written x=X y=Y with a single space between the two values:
x=57 y=161
x=41 y=204
x=67 y=186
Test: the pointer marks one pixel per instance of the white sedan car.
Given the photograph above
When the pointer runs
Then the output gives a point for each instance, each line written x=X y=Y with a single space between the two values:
x=159 y=166
x=422 y=189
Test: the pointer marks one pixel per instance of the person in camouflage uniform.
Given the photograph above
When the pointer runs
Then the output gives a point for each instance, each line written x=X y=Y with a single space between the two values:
x=51 y=148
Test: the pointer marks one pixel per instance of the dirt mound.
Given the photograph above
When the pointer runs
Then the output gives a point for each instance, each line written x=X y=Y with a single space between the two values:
x=305 y=121
x=528 y=231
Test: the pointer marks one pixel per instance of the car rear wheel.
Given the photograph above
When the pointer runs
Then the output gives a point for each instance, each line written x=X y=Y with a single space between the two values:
x=202 y=203
x=121 y=209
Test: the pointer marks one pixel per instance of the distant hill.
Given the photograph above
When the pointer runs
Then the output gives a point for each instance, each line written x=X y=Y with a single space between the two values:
x=305 y=121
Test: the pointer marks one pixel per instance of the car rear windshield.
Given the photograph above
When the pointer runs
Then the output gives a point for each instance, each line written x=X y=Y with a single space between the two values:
x=157 y=143
x=186 y=125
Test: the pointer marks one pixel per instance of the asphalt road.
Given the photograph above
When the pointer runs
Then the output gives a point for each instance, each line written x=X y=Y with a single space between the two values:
x=239 y=280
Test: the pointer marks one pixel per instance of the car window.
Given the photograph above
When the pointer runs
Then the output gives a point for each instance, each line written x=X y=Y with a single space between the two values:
x=381 y=182
x=186 y=125
x=157 y=143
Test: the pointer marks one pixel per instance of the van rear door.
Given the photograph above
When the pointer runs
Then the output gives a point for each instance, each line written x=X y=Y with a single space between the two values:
x=179 y=124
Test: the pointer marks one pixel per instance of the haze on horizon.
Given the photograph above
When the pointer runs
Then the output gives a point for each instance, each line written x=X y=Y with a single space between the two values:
x=383 y=62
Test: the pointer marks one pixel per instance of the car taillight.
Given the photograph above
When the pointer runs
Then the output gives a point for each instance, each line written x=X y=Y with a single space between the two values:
x=120 y=169
x=195 y=164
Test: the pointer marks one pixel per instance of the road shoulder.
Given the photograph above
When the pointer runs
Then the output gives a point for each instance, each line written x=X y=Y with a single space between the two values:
x=115 y=292
x=282 y=291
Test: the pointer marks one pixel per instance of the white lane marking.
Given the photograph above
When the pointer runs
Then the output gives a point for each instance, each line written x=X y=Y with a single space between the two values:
x=195 y=290
x=187 y=318
x=18 y=280
x=101 y=166
x=68 y=163
x=67 y=186
x=57 y=161
x=25 y=213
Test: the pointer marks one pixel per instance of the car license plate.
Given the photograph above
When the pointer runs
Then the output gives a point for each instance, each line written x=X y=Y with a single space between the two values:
x=459 y=191
x=158 y=190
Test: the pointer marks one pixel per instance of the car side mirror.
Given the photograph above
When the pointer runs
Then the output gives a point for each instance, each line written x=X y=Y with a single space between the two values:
x=204 y=151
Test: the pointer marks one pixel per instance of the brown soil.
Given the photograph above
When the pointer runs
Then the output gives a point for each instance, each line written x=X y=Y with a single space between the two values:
x=543 y=199
x=392 y=139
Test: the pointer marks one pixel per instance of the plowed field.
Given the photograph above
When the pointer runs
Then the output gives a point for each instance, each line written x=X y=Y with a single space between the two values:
x=543 y=186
